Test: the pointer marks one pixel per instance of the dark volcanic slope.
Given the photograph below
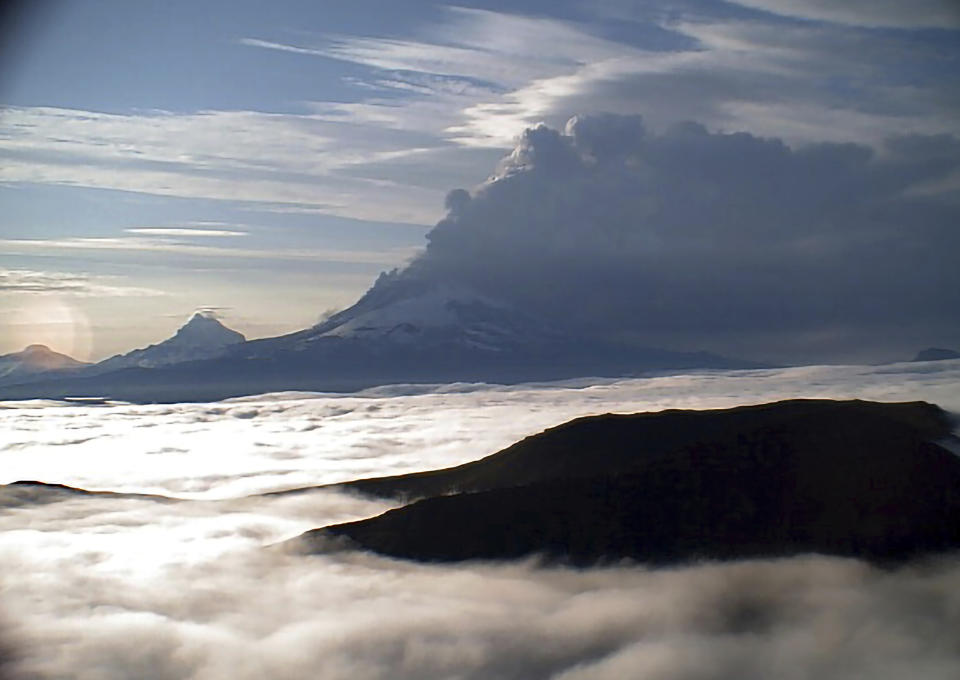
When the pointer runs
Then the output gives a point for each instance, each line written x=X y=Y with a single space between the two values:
x=936 y=354
x=847 y=478
x=29 y=492
x=346 y=365
x=608 y=444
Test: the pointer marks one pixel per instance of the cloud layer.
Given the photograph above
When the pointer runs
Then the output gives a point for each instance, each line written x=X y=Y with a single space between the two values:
x=355 y=616
x=162 y=590
x=294 y=439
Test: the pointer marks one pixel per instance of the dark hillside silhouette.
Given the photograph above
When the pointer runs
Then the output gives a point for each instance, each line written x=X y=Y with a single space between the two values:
x=849 y=478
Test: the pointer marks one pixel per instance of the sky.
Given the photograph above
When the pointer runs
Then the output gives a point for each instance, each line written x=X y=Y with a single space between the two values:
x=270 y=159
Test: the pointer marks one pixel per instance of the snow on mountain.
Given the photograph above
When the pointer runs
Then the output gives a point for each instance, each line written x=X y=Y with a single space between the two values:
x=432 y=309
x=404 y=315
x=403 y=330
x=440 y=314
x=202 y=337
x=35 y=360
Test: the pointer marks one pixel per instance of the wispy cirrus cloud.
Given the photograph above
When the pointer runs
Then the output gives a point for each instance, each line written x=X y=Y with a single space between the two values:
x=870 y=13
x=184 y=231
x=255 y=42
x=68 y=283
x=135 y=244
x=843 y=82
x=475 y=79
x=246 y=156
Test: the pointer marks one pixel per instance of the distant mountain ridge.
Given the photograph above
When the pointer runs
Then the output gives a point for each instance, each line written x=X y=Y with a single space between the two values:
x=400 y=331
x=33 y=361
x=30 y=492
x=936 y=354
x=853 y=478
x=202 y=337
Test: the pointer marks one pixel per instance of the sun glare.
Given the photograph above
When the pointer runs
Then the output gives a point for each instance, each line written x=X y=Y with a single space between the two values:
x=52 y=321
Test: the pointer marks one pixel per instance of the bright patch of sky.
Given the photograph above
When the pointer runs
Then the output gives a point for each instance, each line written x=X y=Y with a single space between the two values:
x=136 y=139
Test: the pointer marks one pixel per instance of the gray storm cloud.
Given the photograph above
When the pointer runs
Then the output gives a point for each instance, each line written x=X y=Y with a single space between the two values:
x=730 y=242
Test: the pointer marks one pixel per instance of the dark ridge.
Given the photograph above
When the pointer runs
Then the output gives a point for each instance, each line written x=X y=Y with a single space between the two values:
x=31 y=492
x=614 y=444
x=936 y=354
x=849 y=478
x=336 y=365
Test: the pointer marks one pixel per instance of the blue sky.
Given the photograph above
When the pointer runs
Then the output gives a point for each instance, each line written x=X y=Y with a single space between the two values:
x=270 y=158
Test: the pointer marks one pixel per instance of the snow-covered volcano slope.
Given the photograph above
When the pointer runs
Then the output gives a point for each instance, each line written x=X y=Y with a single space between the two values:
x=401 y=331
x=398 y=313
x=202 y=337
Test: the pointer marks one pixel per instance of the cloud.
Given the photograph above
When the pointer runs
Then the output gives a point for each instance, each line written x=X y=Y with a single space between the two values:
x=475 y=79
x=492 y=47
x=813 y=81
x=248 y=616
x=698 y=239
x=247 y=156
x=161 y=245
x=296 y=439
x=183 y=231
x=187 y=590
x=212 y=312
x=871 y=13
x=682 y=61
x=255 y=42
x=33 y=281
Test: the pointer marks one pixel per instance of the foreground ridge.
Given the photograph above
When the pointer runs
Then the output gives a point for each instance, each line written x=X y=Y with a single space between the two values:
x=850 y=478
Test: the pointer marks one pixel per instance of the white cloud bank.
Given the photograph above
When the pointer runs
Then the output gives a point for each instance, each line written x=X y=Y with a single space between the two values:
x=357 y=617
x=261 y=443
x=185 y=590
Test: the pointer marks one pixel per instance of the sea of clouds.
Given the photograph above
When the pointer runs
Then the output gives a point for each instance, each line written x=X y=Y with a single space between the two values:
x=103 y=587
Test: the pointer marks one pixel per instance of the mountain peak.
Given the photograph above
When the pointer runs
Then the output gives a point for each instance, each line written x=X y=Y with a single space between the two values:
x=37 y=349
x=201 y=337
x=206 y=330
x=35 y=359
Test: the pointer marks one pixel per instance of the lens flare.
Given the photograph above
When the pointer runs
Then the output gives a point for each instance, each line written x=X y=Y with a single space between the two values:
x=52 y=321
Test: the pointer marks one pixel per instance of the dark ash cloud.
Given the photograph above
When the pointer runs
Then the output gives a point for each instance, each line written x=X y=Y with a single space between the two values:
x=724 y=241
